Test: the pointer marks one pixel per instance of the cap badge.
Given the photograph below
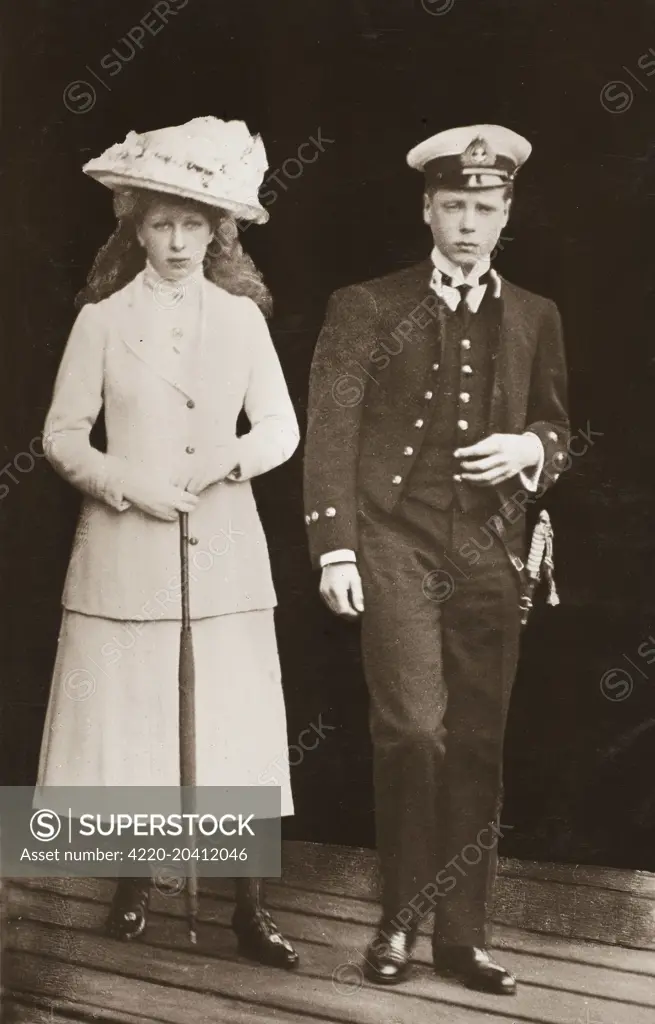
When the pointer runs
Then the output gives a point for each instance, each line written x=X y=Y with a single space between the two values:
x=478 y=153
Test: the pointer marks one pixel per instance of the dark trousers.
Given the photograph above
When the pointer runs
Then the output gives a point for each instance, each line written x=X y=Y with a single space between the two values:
x=440 y=635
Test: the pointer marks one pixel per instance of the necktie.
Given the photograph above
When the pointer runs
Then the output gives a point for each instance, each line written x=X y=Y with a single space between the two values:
x=463 y=311
x=463 y=305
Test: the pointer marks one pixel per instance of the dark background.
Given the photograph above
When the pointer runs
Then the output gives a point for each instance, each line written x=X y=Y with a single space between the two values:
x=375 y=78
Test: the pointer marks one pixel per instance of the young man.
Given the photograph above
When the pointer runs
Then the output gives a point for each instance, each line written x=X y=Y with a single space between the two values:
x=437 y=412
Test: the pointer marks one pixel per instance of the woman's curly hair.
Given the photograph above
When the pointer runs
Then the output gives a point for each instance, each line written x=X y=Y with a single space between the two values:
x=121 y=258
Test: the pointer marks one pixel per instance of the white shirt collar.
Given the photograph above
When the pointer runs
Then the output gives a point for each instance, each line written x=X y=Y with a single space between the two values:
x=444 y=266
x=450 y=295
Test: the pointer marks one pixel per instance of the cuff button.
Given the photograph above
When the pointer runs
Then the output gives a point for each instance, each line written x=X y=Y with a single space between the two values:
x=330 y=512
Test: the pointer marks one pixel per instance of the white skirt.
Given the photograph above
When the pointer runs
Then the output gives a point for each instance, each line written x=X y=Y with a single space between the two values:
x=112 y=717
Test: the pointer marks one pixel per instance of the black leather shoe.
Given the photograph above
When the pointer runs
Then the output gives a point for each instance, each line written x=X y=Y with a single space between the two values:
x=260 y=938
x=475 y=968
x=389 y=956
x=128 y=915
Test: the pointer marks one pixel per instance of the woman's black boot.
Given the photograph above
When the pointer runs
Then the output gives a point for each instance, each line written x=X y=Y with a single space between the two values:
x=259 y=937
x=128 y=915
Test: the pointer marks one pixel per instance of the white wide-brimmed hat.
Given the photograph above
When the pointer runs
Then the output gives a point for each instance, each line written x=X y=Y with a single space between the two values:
x=212 y=161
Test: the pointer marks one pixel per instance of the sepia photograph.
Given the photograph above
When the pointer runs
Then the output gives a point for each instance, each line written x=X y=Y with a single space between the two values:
x=327 y=522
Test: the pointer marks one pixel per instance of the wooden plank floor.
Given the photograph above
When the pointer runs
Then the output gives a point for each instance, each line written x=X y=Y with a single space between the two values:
x=58 y=966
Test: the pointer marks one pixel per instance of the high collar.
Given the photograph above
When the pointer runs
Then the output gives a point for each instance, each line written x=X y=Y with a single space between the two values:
x=154 y=280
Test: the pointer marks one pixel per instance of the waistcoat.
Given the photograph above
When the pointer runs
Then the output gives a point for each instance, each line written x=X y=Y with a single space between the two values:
x=460 y=412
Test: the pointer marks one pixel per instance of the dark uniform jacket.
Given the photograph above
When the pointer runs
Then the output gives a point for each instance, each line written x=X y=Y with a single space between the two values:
x=372 y=390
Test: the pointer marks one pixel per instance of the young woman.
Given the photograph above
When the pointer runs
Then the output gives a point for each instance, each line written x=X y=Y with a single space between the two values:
x=171 y=343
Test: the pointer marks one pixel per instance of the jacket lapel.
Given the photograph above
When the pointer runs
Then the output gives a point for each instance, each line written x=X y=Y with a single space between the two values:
x=139 y=336
x=412 y=326
x=512 y=362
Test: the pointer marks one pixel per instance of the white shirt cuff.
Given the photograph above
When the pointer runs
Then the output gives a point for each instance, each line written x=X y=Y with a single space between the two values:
x=341 y=555
x=530 y=477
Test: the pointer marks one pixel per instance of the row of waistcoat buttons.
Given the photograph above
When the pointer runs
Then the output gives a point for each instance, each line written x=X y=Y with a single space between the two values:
x=418 y=424
x=464 y=397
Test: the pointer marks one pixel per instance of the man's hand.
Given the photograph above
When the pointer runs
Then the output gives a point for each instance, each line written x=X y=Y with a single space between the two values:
x=341 y=589
x=498 y=458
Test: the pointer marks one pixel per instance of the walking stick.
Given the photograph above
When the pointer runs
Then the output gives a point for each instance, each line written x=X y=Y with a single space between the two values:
x=540 y=555
x=187 y=724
